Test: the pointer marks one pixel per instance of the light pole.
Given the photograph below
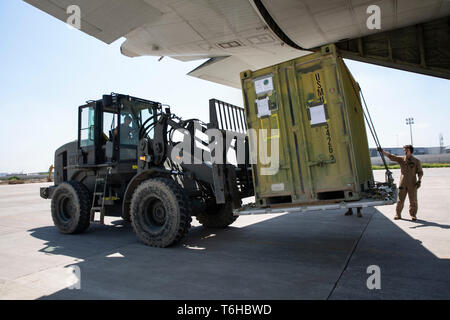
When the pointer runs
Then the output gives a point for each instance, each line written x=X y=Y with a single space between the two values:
x=410 y=122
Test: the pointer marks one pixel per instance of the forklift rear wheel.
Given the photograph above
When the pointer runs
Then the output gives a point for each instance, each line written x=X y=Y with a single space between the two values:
x=218 y=216
x=70 y=207
x=160 y=212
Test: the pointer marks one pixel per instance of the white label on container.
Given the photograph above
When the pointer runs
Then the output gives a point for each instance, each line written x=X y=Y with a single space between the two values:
x=278 y=187
x=263 y=107
x=263 y=85
x=317 y=114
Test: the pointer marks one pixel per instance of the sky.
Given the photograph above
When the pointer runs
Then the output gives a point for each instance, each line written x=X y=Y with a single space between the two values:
x=49 y=69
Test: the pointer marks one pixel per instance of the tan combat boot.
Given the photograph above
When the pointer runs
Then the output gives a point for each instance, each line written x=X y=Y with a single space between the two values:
x=358 y=213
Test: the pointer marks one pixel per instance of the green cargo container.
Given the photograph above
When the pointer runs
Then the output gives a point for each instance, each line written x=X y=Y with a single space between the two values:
x=314 y=103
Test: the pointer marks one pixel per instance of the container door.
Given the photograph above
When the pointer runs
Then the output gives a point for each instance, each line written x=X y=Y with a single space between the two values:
x=326 y=134
x=267 y=138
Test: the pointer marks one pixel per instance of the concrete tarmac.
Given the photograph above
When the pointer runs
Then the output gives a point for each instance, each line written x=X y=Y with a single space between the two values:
x=312 y=255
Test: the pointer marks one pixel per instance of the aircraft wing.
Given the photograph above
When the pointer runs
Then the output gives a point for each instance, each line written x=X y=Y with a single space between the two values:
x=237 y=35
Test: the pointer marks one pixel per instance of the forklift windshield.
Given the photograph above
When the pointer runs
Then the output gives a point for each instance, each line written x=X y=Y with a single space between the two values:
x=132 y=115
x=129 y=128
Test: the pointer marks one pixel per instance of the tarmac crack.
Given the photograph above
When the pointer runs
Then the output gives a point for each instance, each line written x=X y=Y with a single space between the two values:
x=349 y=257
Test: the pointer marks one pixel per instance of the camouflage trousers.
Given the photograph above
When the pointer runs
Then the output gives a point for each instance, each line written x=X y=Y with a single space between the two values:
x=412 y=196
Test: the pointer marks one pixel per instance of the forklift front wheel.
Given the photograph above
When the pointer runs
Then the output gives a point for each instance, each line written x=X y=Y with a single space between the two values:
x=71 y=207
x=160 y=212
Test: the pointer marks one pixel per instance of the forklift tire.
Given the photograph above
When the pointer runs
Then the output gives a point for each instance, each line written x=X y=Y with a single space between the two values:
x=160 y=212
x=71 y=204
x=219 y=216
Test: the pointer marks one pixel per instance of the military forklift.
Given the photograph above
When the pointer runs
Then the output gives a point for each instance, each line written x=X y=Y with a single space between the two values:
x=124 y=164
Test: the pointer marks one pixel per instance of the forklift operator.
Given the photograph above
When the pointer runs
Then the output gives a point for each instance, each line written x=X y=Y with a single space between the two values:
x=126 y=132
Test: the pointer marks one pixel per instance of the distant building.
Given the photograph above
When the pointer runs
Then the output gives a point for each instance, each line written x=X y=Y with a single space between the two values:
x=417 y=150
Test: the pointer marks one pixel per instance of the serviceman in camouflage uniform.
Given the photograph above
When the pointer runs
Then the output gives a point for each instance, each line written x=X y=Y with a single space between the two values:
x=410 y=167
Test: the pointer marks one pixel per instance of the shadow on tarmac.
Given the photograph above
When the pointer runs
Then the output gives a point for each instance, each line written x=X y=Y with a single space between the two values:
x=424 y=223
x=293 y=256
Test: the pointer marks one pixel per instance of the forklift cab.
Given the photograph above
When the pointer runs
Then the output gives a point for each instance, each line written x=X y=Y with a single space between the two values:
x=109 y=129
